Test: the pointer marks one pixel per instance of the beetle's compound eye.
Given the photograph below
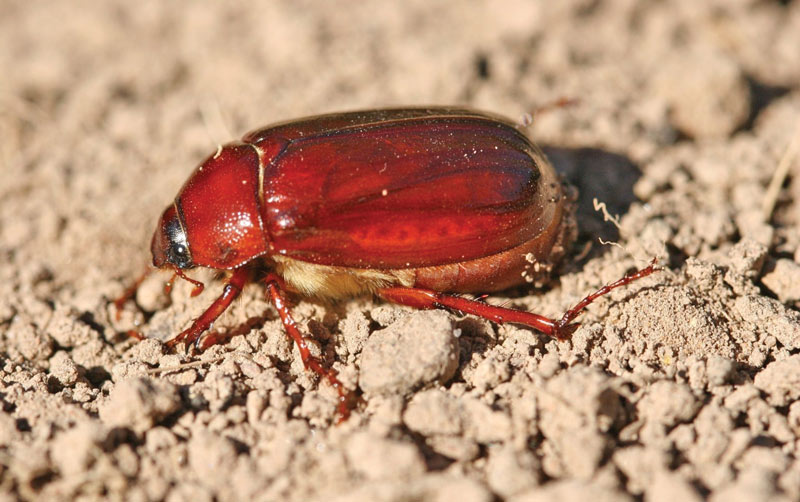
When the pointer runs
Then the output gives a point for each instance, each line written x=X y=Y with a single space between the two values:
x=178 y=253
x=169 y=242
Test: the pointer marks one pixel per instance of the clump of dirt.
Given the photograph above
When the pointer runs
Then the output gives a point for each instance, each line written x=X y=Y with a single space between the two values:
x=681 y=386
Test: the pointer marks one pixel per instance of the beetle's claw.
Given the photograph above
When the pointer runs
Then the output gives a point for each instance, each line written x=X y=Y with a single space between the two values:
x=184 y=338
x=564 y=332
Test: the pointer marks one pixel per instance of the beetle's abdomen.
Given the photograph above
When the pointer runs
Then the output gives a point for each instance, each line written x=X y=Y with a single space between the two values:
x=406 y=192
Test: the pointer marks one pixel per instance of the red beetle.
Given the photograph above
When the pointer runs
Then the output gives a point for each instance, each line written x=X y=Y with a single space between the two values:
x=405 y=204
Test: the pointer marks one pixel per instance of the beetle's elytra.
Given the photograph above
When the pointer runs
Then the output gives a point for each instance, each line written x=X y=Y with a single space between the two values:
x=406 y=204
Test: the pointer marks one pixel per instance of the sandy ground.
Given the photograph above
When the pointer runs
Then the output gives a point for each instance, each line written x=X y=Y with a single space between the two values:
x=683 y=386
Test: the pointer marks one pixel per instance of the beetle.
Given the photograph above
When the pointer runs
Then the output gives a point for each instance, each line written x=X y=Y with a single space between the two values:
x=416 y=206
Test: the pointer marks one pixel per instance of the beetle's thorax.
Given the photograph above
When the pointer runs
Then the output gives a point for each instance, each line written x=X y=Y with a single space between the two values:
x=220 y=211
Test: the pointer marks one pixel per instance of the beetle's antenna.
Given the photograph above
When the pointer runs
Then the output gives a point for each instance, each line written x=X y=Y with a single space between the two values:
x=198 y=286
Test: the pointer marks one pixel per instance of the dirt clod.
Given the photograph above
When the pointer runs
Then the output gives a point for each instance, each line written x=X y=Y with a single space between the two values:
x=415 y=351
x=139 y=404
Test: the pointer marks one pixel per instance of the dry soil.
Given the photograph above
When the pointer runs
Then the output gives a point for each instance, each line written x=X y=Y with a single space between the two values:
x=683 y=386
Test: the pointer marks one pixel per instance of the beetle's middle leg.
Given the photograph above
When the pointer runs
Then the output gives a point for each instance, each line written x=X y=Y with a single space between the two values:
x=276 y=295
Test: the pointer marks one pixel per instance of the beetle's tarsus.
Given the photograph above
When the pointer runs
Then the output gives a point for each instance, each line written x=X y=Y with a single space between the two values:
x=564 y=327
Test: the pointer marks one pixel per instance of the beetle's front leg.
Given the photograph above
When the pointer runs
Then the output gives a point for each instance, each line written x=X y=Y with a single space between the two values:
x=232 y=290
x=275 y=292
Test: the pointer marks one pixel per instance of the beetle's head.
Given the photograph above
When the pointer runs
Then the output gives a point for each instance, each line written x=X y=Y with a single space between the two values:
x=169 y=244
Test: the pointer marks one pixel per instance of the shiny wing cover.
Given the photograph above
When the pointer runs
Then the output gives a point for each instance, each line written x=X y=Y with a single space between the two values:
x=403 y=188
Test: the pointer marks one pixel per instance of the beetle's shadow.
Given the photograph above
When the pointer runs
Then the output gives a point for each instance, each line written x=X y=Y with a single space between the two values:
x=597 y=174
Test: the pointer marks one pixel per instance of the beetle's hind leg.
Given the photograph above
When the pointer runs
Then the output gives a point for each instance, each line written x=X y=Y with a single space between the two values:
x=429 y=299
x=275 y=291
x=561 y=328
